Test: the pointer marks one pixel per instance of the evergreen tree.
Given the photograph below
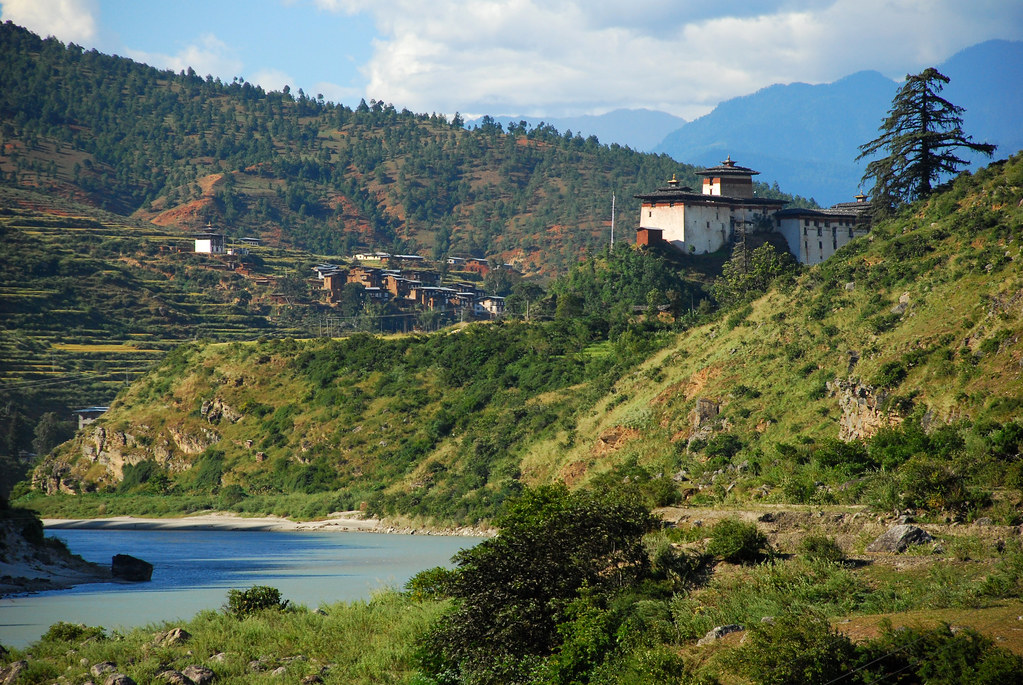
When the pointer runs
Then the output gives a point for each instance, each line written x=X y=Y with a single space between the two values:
x=920 y=136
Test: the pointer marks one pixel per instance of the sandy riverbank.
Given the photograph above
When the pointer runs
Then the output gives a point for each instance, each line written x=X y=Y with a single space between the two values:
x=344 y=522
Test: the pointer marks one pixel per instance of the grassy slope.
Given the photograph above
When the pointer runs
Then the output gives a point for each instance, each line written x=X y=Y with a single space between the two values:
x=368 y=428
x=957 y=258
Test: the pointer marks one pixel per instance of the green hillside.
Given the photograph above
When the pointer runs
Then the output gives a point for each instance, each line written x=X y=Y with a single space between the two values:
x=904 y=345
x=180 y=151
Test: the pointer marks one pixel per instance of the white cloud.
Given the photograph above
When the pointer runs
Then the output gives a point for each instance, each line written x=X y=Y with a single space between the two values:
x=71 y=21
x=209 y=56
x=561 y=57
x=272 y=79
x=334 y=92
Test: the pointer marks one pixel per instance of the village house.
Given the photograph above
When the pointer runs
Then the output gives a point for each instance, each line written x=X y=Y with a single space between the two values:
x=366 y=276
x=477 y=266
x=89 y=415
x=427 y=276
x=323 y=270
x=492 y=306
x=727 y=205
x=334 y=283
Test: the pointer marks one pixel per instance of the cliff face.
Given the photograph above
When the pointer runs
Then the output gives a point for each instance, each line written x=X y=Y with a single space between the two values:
x=30 y=562
x=862 y=410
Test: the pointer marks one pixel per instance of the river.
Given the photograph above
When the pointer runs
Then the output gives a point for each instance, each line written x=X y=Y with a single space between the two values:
x=193 y=570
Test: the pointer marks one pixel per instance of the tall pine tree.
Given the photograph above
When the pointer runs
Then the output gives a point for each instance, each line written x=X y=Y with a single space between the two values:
x=921 y=135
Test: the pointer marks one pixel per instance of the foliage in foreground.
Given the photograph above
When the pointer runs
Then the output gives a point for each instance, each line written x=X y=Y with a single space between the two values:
x=802 y=648
x=359 y=642
x=523 y=596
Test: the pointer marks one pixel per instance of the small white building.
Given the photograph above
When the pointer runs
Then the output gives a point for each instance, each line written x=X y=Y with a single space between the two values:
x=210 y=243
x=89 y=415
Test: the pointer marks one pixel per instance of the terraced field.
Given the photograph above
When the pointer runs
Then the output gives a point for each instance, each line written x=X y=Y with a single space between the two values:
x=89 y=301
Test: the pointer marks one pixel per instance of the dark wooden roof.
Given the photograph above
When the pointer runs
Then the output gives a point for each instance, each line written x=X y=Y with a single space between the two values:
x=683 y=194
x=728 y=168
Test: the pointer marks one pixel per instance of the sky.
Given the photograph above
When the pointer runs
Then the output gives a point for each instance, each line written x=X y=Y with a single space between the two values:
x=527 y=57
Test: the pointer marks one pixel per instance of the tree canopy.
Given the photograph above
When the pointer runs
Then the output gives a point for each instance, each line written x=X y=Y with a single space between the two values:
x=919 y=139
x=514 y=591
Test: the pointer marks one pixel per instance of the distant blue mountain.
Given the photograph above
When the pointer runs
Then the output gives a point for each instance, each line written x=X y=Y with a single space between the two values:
x=805 y=137
x=987 y=79
x=640 y=129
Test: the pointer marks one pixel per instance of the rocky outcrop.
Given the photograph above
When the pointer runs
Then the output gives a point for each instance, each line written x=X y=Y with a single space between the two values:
x=217 y=410
x=127 y=567
x=172 y=638
x=193 y=443
x=899 y=538
x=29 y=562
x=862 y=413
x=10 y=673
x=719 y=632
x=200 y=675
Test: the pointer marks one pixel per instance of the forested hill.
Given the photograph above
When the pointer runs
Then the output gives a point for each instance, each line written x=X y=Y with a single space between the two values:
x=181 y=150
x=890 y=375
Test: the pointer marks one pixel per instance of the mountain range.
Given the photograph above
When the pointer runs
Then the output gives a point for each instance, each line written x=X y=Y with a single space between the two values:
x=805 y=137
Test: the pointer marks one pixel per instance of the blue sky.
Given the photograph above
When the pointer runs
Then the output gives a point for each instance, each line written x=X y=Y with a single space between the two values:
x=527 y=57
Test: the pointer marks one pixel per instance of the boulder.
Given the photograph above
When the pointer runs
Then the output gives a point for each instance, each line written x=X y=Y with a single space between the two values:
x=200 y=675
x=898 y=538
x=119 y=679
x=102 y=668
x=172 y=677
x=718 y=633
x=9 y=674
x=173 y=637
x=127 y=567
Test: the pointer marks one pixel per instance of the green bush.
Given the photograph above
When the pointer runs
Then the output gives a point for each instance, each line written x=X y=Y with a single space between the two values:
x=736 y=542
x=939 y=656
x=821 y=548
x=890 y=375
x=794 y=649
x=241 y=603
x=72 y=632
x=433 y=583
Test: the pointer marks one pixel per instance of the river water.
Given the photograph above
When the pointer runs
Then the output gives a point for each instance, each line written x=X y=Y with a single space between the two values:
x=194 y=569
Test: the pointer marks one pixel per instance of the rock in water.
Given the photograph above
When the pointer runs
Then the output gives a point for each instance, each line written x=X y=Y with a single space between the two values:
x=897 y=538
x=129 y=568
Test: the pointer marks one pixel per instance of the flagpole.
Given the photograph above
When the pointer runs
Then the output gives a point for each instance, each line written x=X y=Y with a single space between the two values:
x=612 y=218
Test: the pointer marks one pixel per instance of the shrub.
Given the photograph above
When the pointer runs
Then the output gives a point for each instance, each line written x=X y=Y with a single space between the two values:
x=934 y=484
x=71 y=632
x=938 y=655
x=241 y=603
x=433 y=583
x=821 y=548
x=737 y=542
x=890 y=375
x=795 y=648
